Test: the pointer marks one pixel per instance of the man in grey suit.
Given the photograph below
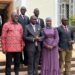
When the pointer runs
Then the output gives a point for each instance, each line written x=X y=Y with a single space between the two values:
x=40 y=22
x=33 y=37
x=65 y=44
x=23 y=20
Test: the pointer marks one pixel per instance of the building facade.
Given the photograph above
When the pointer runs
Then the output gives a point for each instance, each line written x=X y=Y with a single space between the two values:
x=48 y=8
x=56 y=9
x=66 y=9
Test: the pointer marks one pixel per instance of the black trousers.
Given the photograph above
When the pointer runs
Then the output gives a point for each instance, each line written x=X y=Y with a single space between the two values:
x=33 y=61
x=16 y=57
x=24 y=57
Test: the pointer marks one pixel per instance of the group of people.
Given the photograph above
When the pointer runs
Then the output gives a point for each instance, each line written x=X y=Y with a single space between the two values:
x=31 y=39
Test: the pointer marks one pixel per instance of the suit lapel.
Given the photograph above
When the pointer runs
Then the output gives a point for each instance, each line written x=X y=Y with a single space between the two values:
x=31 y=30
x=37 y=30
x=62 y=29
x=22 y=18
x=36 y=27
x=39 y=21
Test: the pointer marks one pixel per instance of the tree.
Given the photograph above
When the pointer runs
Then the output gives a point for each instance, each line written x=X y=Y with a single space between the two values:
x=72 y=20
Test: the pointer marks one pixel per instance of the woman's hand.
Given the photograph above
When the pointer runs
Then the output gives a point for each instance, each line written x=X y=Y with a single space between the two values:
x=49 y=47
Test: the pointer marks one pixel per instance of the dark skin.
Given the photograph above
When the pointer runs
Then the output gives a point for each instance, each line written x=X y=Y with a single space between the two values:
x=33 y=20
x=23 y=10
x=49 y=24
x=64 y=21
x=36 y=12
x=14 y=17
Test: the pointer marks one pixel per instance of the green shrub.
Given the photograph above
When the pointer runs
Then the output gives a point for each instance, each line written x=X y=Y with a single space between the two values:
x=72 y=20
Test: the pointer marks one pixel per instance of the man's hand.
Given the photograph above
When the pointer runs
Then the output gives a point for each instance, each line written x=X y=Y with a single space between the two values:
x=71 y=42
x=37 y=38
x=60 y=49
x=50 y=47
x=4 y=52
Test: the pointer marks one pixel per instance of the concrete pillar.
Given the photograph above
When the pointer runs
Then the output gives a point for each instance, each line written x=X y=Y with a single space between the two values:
x=74 y=7
x=57 y=12
x=48 y=8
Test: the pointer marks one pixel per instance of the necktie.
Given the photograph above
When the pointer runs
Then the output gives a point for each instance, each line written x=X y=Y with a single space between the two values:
x=38 y=21
x=65 y=29
x=34 y=28
x=23 y=17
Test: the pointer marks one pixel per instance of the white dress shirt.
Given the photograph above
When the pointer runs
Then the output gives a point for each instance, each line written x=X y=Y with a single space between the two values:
x=33 y=27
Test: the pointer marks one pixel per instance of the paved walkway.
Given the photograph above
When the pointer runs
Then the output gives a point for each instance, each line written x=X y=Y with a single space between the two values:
x=2 y=59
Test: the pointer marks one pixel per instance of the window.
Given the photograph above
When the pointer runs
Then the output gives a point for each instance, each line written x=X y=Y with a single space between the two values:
x=71 y=1
x=67 y=11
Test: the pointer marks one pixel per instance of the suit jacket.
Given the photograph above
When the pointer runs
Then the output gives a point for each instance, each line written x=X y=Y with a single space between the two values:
x=41 y=22
x=65 y=37
x=29 y=36
x=24 y=21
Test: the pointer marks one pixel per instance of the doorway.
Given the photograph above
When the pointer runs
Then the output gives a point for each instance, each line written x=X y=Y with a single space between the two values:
x=6 y=7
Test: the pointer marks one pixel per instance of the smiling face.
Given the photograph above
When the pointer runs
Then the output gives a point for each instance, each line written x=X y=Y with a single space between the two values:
x=64 y=21
x=33 y=20
x=48 y=22
x=14 y=17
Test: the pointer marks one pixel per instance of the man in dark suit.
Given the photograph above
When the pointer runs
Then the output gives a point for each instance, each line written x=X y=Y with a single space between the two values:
x=33 y=37
x=39 y=20
x=23 y=20
x=65 y=44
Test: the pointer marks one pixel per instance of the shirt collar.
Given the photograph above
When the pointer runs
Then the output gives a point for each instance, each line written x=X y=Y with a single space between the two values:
x=22 y=15
x=32 y=25
x=12 y=22
x=64 y=26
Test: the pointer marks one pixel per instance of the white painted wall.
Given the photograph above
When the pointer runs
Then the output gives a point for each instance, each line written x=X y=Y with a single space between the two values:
x=48 y=8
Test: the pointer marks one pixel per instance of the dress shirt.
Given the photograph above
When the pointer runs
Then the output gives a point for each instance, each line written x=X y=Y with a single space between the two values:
x=33 y=27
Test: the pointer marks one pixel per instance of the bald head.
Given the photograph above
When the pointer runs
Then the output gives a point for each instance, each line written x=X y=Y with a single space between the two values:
x=23 y=10
x=33 y=19
x=14 y=17
x=36 y=12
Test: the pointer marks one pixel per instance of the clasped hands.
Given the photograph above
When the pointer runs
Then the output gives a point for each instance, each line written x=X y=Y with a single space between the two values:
x=49 y=47
x=37 y=38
